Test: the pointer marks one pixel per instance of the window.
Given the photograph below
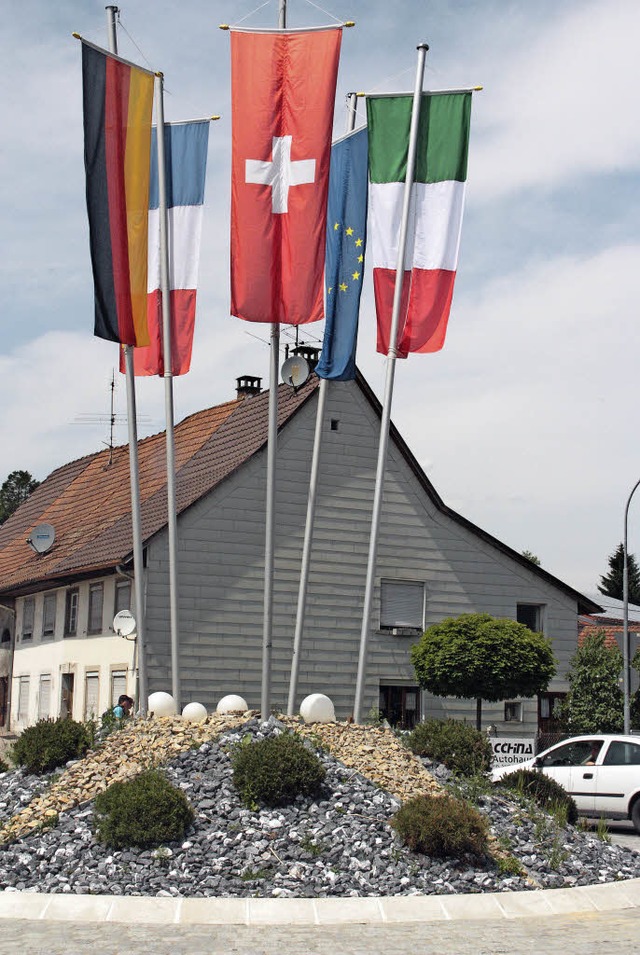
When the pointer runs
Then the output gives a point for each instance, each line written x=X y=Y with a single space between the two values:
x=96 y=599
x=577 y=753
x=91 y=695
x=71 y=613
x=6 y=636
x=49 y=615
x=531 y=616
x=28 y=613
x=123 y=596
x=622 y=754
x=44 y=697
x=118 y=685
x=23 y=699
x=402 y=607
x=513 y=712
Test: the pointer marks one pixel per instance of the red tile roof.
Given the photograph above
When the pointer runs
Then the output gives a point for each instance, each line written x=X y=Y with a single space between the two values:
x=88 y=501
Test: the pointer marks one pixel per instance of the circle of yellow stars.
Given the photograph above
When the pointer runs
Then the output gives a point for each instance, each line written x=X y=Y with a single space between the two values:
x=356 y=275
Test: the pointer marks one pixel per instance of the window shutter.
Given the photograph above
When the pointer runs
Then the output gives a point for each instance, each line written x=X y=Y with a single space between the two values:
x=402 y=604
x=96 y=594
x=49 y=615
x=118 y=685
x=23 y=699
x=92 y=689
x=44 y=700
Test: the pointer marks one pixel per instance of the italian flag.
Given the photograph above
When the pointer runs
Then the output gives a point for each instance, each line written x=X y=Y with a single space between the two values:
x=435 y=220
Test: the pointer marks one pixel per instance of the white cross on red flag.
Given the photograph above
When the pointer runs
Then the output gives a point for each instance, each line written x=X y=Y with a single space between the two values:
x=283 y=92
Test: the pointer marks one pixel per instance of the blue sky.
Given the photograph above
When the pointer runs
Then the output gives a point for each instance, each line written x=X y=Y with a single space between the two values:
x=526 y=422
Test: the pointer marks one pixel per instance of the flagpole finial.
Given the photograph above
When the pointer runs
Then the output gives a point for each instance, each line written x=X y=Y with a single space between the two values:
x=422 y=46
x=476 y=89
x=223 y=26
x=350 y=23
x=76 y=36
x=214 y=117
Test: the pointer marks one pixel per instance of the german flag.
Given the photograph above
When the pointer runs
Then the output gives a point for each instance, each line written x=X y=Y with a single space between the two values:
x=117 y=105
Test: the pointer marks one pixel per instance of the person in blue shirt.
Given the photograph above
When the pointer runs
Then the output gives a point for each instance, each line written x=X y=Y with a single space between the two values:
x=123 y=706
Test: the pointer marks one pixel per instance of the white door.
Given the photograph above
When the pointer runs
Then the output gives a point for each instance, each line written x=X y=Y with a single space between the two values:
x=574 y=766
x=618 y=778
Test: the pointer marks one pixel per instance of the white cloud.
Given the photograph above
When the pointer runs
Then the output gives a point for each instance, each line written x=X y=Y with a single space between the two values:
x=562 y=102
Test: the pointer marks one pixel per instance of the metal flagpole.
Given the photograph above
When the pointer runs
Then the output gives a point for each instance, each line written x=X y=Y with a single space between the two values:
x=626 y=673
x=388 y=391
x=172 y=520
x=269 y=545
x=134 y=471
x=352 y=106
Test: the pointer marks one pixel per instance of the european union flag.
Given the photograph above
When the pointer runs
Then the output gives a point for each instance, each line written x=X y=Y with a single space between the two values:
x=346 y=240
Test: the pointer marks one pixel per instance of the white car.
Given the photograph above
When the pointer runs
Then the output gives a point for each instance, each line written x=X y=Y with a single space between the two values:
x=600 y=771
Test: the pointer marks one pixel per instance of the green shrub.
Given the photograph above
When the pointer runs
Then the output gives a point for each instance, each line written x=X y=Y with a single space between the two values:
x=462 y=748
x=545 y=792
x=49 y=744
x=4 y=767
x=441 y=826
x=143 y=811
x=274 y=770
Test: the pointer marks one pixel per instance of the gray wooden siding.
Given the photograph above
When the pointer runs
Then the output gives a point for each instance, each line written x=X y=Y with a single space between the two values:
x=221 y=560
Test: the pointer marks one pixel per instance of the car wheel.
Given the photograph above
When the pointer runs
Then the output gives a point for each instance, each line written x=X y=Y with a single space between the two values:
x=635 y=815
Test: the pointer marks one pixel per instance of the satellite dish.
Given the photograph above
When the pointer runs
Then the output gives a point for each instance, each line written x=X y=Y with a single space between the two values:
x=295 y=371
x=41 y=538
x=124 y=623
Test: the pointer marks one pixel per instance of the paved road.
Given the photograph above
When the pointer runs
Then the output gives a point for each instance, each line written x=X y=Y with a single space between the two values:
x=584 y=934
x=623 y=834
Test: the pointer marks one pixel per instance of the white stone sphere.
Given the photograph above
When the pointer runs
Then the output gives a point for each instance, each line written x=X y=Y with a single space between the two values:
x=317 y=708
x=162 y=704
x=195 y=712
x=232 y=704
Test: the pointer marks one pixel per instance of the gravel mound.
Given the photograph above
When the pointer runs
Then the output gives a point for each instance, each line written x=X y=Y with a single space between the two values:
x=339 y=845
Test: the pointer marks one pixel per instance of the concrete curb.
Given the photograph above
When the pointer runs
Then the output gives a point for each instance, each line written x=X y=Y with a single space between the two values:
x=146 y=910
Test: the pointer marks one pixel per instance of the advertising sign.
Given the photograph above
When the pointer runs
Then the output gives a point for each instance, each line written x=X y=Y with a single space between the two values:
x=508 y=749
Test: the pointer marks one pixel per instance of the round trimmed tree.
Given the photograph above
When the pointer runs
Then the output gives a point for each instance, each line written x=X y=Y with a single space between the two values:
x=477 y=656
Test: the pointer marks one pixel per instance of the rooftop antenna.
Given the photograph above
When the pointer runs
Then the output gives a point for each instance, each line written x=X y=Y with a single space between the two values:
x=114 y=420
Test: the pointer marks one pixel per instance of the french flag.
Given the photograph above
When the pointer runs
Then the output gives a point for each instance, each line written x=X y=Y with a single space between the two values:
x=186 y=147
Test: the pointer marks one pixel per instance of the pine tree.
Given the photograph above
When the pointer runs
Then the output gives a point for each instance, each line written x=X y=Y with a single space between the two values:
x=611 y=584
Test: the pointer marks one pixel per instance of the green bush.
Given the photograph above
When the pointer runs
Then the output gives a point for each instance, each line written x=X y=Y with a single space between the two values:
x=441 y=826
x=143 y=811
x=545 y=792
x=274 y=770
x=462 y=748
x=4 y=767
x=49 y=744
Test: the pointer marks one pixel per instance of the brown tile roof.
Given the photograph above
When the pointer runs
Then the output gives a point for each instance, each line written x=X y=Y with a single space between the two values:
x=588 y=629
x=88 y=501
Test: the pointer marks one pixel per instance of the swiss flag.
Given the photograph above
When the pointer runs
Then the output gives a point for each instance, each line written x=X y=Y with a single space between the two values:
x=283 y=94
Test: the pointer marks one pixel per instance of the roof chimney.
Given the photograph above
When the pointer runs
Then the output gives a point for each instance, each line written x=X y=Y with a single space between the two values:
x=248 y=385
x=309 y=353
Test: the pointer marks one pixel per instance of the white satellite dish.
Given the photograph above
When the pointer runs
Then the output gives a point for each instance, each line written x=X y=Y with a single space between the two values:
x=295 y=371
x=124 y=623
x=41 y=538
